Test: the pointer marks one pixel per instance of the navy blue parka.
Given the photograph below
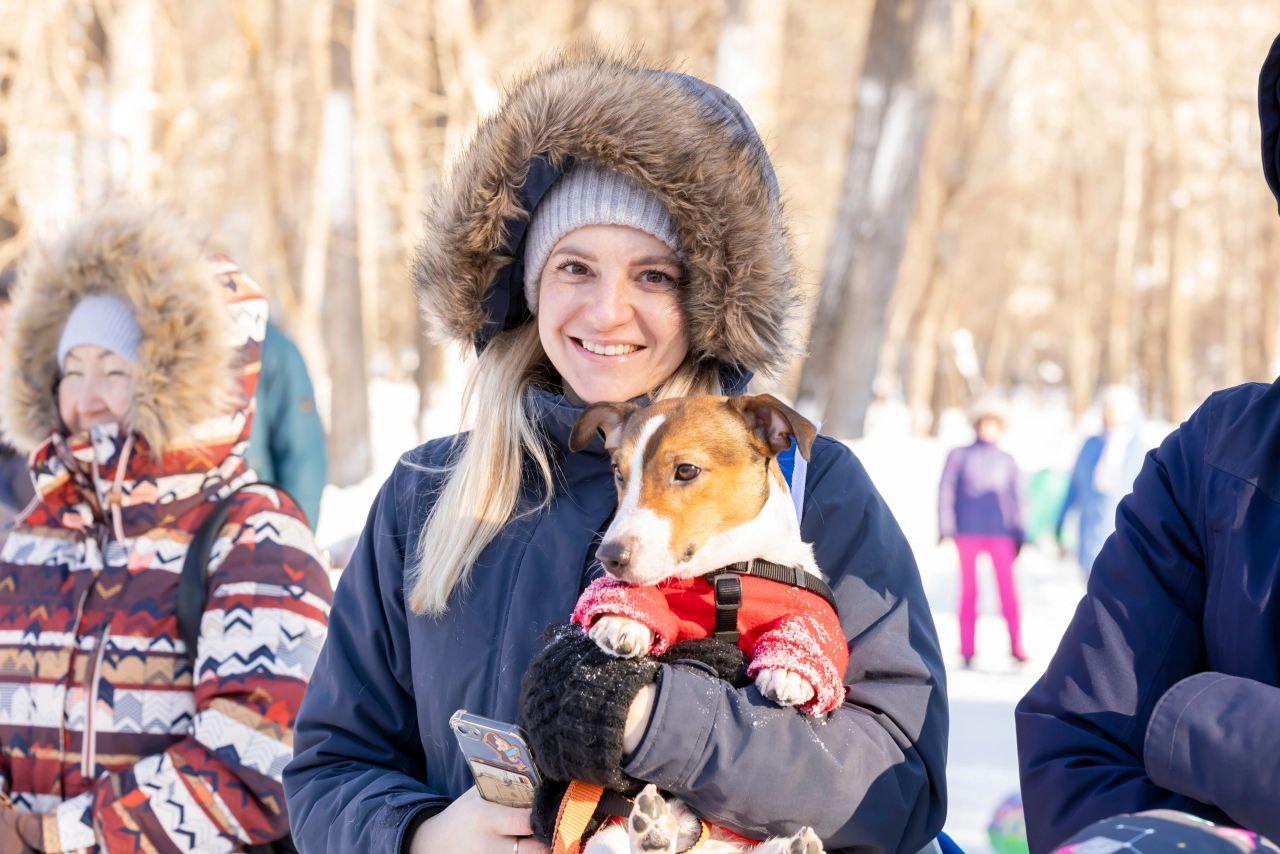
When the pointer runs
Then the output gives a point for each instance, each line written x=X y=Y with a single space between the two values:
x=1165 y=691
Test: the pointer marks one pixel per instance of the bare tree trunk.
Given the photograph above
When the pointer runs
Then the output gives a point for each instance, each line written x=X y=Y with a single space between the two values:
x=926 y=350
x=315 y=251
x=350 y=457
x=364 y=61
x=273 y=238
x=1120 y=316
x=749 y=57
x=1177 y=354
x=1080 y=349
x=133 y=92
x=891 y=121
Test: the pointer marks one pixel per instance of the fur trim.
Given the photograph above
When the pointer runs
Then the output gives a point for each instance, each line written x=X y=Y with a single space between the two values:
x=186 y=369
x=685 y=140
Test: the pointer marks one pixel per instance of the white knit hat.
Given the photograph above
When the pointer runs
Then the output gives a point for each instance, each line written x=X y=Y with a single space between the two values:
x=103 y=319
x=590 y=195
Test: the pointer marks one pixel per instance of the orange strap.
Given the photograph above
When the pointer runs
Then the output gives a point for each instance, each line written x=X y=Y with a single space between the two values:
x=576 y=809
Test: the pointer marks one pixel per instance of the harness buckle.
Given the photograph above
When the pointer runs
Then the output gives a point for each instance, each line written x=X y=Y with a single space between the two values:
x=727 y=587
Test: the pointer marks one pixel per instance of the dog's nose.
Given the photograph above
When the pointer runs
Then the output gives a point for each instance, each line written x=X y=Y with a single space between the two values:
x=615 y=554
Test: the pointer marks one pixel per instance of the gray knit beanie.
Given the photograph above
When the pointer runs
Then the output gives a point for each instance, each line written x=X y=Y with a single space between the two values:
x=590 y=195
x=103 y=319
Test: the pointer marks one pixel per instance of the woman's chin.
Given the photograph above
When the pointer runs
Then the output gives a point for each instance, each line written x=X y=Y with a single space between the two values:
x=607 y=392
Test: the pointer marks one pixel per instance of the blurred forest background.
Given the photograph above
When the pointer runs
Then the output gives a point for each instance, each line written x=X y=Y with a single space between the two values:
x=1036 y=197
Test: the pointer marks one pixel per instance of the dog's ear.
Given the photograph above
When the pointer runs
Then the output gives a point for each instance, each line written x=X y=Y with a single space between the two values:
x=606 y=419
x=775 y=422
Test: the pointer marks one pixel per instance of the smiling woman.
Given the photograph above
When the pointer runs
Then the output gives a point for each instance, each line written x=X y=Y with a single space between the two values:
x=613 y=233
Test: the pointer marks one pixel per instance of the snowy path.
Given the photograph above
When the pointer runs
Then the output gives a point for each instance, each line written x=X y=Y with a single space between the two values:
x=982 y=762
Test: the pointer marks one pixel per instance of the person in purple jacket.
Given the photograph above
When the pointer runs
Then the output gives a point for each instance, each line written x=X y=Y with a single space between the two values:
x=980 y=507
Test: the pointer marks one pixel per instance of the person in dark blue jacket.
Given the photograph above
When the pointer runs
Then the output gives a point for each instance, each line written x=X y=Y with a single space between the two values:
x=655 y=263
x=1103 y=473
x=1165 y=690
x=287 y=445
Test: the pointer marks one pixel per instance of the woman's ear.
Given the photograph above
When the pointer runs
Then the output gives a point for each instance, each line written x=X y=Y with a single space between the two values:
x=775 y=422
x=606 y=419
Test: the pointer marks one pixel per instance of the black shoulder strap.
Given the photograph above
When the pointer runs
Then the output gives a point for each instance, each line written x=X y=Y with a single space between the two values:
x=727 y=585
x=193 y=583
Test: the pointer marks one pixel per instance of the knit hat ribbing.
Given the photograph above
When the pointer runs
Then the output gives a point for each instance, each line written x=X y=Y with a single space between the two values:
x=103 y=319
x=590 y=195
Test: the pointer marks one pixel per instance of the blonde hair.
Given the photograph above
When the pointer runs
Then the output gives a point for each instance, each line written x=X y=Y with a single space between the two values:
x=482 y=486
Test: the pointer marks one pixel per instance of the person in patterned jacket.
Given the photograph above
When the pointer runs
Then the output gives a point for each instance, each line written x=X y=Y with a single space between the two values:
x=132 y=360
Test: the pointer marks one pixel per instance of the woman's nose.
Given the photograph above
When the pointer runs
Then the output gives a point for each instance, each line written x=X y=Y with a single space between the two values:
x=89 y=399
x=611 y=303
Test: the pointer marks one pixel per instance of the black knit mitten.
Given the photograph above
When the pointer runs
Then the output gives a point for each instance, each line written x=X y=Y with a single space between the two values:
x=573 y=706
x=715 y=657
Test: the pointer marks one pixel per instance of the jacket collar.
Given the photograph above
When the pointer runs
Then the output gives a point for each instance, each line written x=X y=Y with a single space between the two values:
x=82 y=477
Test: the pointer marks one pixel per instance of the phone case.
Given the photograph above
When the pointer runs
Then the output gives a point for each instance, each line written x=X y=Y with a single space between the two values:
x=499 y=758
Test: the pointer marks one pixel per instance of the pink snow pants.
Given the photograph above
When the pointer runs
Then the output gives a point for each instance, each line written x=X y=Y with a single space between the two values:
x=1002 y=551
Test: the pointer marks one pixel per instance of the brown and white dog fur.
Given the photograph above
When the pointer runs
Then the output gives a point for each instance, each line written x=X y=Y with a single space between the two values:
x=699 y=487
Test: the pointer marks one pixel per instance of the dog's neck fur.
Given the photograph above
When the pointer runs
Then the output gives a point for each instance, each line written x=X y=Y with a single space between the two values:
x=773 y=535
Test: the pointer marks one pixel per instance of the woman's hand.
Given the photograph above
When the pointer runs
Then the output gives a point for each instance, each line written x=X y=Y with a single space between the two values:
x=638 y=718
x=472 y=825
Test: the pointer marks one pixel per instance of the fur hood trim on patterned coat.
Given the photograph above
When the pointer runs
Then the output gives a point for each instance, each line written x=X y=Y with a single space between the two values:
x=684 y=139
x=186 y=370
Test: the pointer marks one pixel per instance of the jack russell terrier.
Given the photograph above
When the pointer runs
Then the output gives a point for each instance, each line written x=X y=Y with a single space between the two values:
x=705 y=542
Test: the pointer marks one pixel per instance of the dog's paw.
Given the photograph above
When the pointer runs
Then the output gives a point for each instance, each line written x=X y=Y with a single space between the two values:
x=784 y=687
x=622 y=637
x=805 y=842
x=652 y=826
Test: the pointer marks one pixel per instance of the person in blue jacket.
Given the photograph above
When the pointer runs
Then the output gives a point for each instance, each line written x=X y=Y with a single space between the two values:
x=1103 y=473
x=612 y=232
x=287 y=445
x=1165 y=691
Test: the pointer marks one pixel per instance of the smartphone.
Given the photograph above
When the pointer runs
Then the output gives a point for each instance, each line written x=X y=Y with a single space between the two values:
x=499 y=756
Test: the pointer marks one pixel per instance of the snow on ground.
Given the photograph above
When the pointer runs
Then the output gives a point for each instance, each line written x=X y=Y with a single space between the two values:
x=982 y=763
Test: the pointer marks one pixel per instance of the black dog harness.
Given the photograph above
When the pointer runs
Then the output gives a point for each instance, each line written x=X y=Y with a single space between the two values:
x=726 y=582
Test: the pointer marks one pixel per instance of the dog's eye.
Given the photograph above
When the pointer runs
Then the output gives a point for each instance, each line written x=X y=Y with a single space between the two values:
x=617 y=474
x=687 y=471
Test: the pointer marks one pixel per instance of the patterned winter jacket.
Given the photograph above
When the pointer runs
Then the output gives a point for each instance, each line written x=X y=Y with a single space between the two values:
x=106 y=726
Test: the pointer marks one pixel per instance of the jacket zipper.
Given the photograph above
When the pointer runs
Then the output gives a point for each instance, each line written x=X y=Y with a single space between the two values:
x=88 y=752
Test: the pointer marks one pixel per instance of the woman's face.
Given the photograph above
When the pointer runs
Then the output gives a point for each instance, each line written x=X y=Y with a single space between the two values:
x=609 y=313
x=96 y=388
x=990 y=429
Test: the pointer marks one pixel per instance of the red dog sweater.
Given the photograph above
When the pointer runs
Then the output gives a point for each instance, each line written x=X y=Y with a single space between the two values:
x=779 y=625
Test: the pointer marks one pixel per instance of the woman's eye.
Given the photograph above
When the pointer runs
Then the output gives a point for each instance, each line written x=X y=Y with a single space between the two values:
x=657 y=277
x=687 y=471
x=574 y=268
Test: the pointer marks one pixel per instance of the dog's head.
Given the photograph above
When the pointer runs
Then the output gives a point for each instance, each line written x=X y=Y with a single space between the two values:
x=698 y=485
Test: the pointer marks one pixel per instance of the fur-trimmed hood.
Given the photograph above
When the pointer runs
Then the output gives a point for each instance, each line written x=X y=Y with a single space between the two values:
x=191 y=367
x=684 y=139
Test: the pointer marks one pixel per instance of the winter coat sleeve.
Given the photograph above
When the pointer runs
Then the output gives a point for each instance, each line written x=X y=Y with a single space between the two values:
x=262 y=628
x=872 y=774
x=1204 y=740
x=293 y=431
x=947 y=494
x=1135 y=635
x=356 y=780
